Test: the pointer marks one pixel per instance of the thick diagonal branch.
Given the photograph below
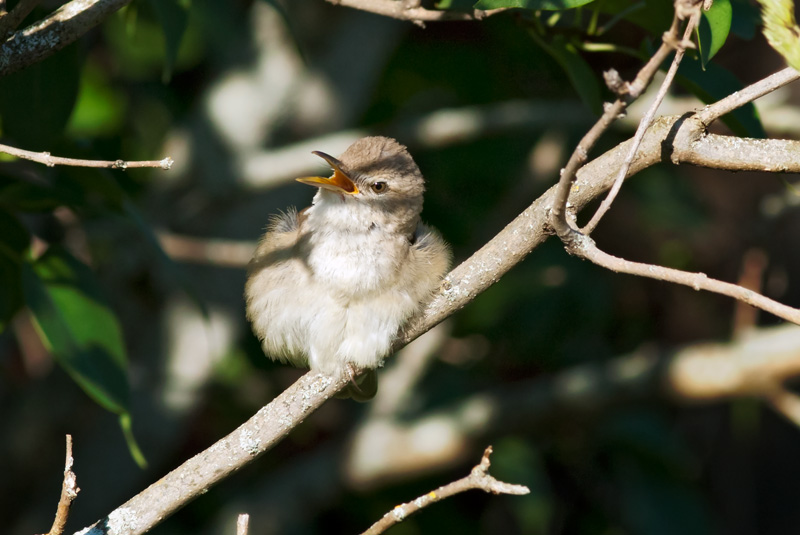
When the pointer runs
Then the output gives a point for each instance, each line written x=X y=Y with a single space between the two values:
x=64 y=26
x=669 y=138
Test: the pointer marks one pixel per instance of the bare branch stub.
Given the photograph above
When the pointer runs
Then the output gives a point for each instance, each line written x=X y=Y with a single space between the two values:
x=69 y=491
x=242 y=524
x=479 y=478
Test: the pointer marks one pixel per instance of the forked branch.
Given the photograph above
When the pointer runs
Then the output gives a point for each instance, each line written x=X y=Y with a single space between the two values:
x=479 y=478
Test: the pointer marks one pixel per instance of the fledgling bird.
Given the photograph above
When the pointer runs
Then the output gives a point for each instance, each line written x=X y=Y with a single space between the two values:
x=330 y=286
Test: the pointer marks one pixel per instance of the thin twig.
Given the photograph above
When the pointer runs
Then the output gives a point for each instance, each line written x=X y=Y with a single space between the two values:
x=196 y=475
x=478 y=478
x=242 y=524
x=69 y=491
x=407 y=11
x=628 y=93
x=644 y=124
x=10 y=21
x=586 y=248
x=51 y=161
x=750 y=93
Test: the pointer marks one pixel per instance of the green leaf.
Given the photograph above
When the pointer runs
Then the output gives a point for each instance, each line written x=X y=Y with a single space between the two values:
x=781 y=30
x=578 y=71
x=36 y=102
x=714 y=28
x=651 y=15
x=126 y=424
x=714 y=83
x=173 y=15
x=77 y=326
x=543 y=5
x=101 y=105
x=80 y=331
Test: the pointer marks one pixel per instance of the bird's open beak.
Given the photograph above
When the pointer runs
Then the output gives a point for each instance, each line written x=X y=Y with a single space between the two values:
x=339 y=182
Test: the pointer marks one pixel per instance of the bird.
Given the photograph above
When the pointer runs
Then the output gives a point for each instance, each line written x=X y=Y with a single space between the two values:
x=329 y=287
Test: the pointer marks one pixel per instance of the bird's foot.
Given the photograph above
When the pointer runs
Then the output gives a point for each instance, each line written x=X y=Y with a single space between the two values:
x=361 y=388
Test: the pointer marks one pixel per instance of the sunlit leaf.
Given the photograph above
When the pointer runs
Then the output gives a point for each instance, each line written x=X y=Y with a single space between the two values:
x=100 y=108
x=714 y=28
x=781 y=30
x=126 y=424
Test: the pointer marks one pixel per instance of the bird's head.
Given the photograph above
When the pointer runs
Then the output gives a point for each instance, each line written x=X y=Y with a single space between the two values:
x=374 y=175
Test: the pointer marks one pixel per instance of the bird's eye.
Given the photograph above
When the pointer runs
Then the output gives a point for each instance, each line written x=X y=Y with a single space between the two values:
x=379 y=187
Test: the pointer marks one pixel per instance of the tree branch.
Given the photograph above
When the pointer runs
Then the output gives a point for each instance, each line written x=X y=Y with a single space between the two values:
x=646 y=121
x=195 y=476
x=585 y=247
x=51 y=161
x=750 y=93
x=242 y=524
x=10 y=21
x=478 y=478
x=65 y=25
x=69 y=491
x=401 y=10
x=628 y=92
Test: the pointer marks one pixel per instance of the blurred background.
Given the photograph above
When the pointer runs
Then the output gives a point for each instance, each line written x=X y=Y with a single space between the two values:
x=239 y=93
